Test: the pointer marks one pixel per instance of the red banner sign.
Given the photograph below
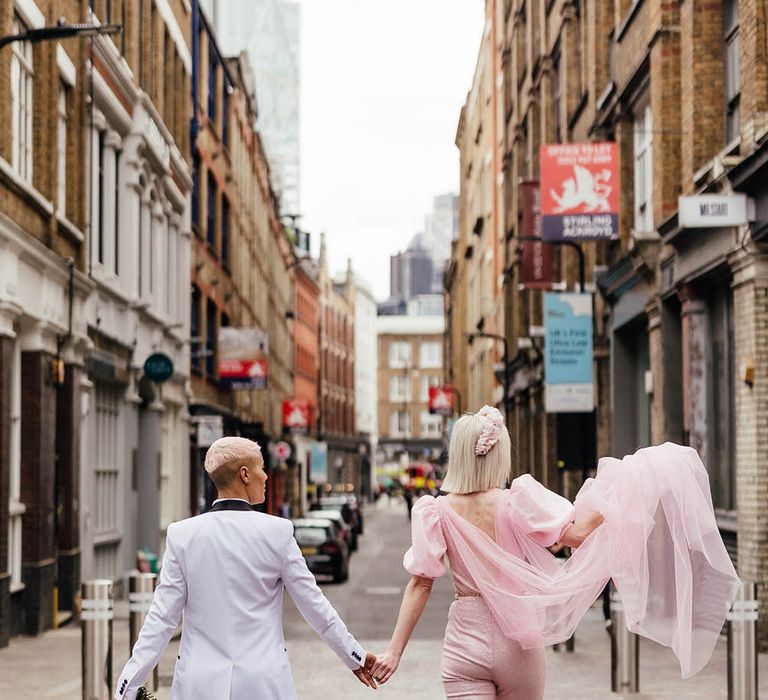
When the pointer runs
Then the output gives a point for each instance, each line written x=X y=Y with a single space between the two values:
x=296 y=415
x=536 y=272
x=441 y=400
x=580 y=191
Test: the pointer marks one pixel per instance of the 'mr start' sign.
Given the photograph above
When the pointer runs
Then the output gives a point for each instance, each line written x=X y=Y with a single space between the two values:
x=713 y=210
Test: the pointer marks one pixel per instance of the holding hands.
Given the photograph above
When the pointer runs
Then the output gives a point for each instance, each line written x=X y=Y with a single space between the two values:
x=364 y=673
x=385 y=666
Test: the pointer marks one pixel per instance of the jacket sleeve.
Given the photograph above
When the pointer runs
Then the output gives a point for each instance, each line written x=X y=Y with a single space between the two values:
x=161 y=622
x=316 y=610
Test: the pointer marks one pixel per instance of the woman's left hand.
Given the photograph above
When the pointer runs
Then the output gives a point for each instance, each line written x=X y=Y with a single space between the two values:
x=385 y=666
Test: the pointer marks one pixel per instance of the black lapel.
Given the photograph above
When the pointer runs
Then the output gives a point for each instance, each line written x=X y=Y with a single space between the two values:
x=230 y=504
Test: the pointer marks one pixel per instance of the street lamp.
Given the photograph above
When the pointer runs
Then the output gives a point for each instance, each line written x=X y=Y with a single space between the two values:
x=61 y=31
x=480 y=333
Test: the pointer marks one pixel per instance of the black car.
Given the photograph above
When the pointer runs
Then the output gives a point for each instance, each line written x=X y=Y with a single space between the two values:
x=323 y=547
x=349 y=504
x=335 y=514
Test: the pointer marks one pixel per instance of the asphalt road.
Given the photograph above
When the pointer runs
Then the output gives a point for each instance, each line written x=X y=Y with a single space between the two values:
x=368 y=603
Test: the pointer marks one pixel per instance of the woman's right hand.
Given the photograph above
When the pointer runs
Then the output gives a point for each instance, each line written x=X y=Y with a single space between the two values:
x=385 y=666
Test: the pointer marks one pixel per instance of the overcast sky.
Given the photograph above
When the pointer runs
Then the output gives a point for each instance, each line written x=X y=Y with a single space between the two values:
x=382 y=84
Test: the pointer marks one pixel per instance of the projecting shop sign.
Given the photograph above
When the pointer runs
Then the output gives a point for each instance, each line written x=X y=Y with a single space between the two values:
x=714 y=210
x=568 y=353
x=579 y=191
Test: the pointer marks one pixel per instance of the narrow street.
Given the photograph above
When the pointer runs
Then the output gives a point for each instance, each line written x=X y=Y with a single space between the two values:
x=48 y=666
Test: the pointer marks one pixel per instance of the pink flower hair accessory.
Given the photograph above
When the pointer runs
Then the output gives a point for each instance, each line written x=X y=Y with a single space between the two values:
x=489 y=436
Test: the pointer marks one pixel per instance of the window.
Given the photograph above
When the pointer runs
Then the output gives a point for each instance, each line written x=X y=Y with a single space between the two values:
x=116 y=213
x=210 y=346
x=194 y=329
x=106 y=505
x=643 y=169
x=426 y=382
x=17 y=508
x=210 y=214
x=100 y=182
x=400 y=354
x=61 y=150
x=212 y=67
x=196 y=190
x=557 y=91
x=732 y=77
x=170 y=460
x=225 y=231
x=21 y=102
x=431 y=425
x=399 y=423
x=431 y=354
x=720 y=398
x=399 y=388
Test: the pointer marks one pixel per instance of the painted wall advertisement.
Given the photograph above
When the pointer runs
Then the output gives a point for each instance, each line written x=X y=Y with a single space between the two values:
x=318 y=462
x=568 y=353
x=579 y=191
x=243 y=356
x=537 y=257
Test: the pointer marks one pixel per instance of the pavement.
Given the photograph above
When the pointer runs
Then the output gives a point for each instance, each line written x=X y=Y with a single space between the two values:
x=48 y=666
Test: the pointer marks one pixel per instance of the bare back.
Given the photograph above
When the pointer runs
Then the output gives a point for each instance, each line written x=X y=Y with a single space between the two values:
x=478 y=508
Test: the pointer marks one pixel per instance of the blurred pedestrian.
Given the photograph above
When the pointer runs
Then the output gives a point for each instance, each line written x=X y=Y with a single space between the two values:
x=408 y=495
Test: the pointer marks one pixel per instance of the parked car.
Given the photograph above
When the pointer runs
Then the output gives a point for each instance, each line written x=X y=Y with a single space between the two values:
x=348 y=503
x=335 y=514
x=323 y=546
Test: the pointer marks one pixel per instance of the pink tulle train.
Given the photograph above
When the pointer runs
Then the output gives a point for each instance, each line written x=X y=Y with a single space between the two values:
x=659 y=543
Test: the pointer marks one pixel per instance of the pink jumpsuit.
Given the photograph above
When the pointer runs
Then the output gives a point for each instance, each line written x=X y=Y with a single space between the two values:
x=479 y=660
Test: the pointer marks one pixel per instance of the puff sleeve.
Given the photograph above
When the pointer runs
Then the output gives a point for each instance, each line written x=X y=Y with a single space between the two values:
x=537 y=512
x=426 y=555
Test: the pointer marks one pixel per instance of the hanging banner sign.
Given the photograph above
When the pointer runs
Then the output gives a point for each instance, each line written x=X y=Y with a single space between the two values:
x=568 y=353
x=296 y=415
x=536 y=271
x=441 y=400
x=243 y=356
x=318 y=462
x=580 y=191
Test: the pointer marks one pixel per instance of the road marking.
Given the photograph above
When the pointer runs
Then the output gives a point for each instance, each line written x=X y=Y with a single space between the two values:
x=64 y=689
x=383 y=590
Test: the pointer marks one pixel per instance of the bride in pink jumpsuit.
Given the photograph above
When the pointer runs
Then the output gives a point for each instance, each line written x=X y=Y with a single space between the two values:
x=645 y=521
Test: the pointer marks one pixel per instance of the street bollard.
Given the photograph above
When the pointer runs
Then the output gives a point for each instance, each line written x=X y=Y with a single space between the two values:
x=141 y=589
x=625 y=651
x=742 y=644
x=97 y=614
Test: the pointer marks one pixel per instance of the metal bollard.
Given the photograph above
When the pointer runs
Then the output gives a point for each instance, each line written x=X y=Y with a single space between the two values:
x=97 y=615
x=742 y=644
x=141 y=589
x=625 y=651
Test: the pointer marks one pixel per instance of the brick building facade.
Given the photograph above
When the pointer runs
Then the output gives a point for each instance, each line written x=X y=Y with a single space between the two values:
x=679 y=311
x=410 y=360
x=242 y=261
x=81 y=309
x=336 y=418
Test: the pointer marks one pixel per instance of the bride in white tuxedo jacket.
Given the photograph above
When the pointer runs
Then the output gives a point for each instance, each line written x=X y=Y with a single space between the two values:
x=225 y=572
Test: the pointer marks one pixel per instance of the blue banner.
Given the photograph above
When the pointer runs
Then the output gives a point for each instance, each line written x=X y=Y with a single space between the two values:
x=318 y=462
x=568 y=353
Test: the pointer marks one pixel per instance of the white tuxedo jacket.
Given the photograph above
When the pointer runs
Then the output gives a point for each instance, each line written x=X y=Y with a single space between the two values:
x=225 y=572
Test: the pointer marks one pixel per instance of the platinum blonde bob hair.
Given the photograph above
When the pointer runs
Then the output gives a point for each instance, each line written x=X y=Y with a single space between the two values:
x=468 y=472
